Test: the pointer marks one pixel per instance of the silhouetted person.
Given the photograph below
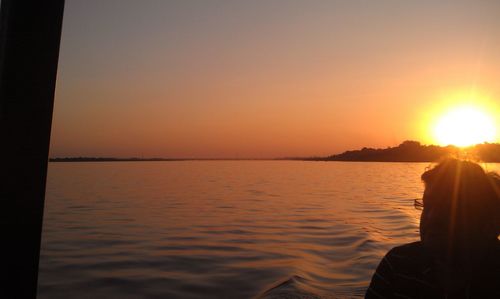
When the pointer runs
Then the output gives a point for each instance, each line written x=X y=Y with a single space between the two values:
x=459 y=252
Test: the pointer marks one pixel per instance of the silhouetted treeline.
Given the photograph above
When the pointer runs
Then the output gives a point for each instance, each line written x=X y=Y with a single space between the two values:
x=488 y=152
x=413 y=151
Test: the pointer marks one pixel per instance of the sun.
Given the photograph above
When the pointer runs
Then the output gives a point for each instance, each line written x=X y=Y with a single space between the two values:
x=464 y=126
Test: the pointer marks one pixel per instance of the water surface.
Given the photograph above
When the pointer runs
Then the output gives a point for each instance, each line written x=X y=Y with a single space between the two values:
x=222 y=229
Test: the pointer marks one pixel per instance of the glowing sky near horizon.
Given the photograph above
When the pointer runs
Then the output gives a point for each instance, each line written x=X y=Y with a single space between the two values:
x=267 y=78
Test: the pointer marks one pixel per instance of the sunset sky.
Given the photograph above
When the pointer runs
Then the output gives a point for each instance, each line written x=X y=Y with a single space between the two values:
x=241 y=79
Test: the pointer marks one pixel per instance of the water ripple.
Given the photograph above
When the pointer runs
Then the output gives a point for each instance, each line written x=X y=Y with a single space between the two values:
x=222 y=229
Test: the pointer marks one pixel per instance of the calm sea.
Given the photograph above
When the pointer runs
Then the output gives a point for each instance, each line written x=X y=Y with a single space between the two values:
x=222 y=229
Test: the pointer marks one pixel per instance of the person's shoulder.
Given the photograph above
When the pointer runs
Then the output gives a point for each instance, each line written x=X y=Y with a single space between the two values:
x=399 y=270
x=407 y=257
x=410 y=250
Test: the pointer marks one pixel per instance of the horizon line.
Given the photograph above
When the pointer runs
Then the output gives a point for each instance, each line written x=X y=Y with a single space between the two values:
x=131 y=159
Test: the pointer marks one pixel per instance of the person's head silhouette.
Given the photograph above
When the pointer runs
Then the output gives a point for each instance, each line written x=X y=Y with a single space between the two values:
x=459 y=252
x=461 y=212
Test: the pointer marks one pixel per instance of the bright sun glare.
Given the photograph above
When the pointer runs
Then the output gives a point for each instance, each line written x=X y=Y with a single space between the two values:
x=464 y=126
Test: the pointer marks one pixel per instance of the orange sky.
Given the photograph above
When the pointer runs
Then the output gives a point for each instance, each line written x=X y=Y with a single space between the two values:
x=266 y=78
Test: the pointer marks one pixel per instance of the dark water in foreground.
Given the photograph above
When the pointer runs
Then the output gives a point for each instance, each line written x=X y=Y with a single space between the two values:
x=222 y=229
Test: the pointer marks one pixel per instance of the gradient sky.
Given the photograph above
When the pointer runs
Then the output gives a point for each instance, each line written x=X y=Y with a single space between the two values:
x=266 y=78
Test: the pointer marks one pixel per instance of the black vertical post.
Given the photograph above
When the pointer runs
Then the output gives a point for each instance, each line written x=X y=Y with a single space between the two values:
x=30 y=34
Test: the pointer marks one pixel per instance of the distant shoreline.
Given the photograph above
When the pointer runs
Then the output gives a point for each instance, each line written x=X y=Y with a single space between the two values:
x=96 y=159
x=406 y=152
x=55 y=160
